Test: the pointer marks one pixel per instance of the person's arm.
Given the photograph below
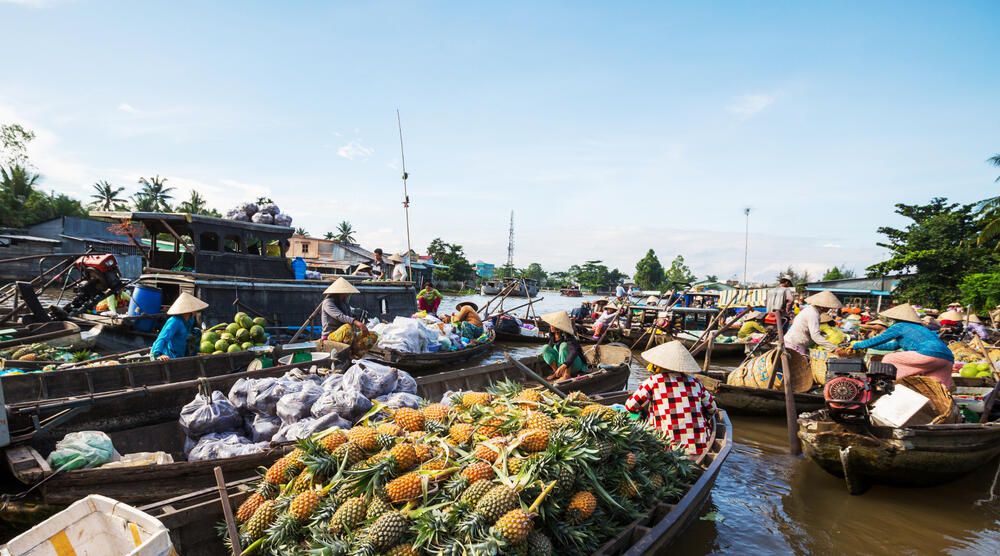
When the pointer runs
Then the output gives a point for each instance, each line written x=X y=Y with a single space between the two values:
x=334 y=313
x=639 y=397
x=890 y=334
x=707 y=399
x=161 y=346
x=817 y=336
x=436 y=295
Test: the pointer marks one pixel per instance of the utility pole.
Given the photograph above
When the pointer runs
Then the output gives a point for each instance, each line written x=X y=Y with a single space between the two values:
x=746 y=246
x=406 y=199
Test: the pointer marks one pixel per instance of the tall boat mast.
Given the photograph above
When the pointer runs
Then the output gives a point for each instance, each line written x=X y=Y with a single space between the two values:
x=406 y=198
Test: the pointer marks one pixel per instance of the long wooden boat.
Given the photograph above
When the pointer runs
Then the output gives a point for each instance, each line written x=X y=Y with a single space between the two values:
x=423 y=363
x=55 y=334
x=743 y=400
x=192 y=518
x=908 y=456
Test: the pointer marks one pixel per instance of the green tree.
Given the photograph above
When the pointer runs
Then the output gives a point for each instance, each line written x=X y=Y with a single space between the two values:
x=301 y=231
x=106 y=196
x=937 y=247
x=157 y=194
x=711 y=278
x=64 y=205
x=678 y=271
x=558 y=279
x=981 y=290
x=837 y=273
x=649 y=271
x=20 y=203
x=535 y=272
x=796 y=278
x=988 y=212
x=345 y=232
x=14 y=141
x=453 y=256
x=328 y=235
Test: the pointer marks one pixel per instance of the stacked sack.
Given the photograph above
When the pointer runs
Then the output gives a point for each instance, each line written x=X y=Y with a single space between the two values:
x=264 y=213
x=261 y=412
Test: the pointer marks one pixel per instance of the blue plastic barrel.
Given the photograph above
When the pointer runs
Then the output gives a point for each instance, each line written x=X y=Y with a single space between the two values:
x=299 y=268
x=146 y=300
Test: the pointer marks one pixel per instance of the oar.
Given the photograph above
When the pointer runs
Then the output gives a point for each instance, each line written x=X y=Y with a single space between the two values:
x=511 y=310
x=534 y=375
x=308 y=320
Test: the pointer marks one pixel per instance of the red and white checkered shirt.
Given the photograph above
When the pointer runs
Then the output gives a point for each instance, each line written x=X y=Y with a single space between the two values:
x=679 y=406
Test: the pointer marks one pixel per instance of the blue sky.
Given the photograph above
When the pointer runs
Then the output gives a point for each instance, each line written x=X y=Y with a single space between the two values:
x=609 y=128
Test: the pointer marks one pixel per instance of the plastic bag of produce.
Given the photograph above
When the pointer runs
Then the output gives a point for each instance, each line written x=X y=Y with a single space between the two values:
x=370 y=378
x=209 y=413
x=400 y=399
x=228 y=445
x=262 y=218
x=263 y=395
x=269 y=208
x=348 y=403
x=262 y=428
x=405 y=382
x=249 y=208
x=238 y=394
x=402 y=335
x=82 y=450
x=309 y=426
x=332 y=382
x=294 y=406
x=446 y=398
x=282 y=219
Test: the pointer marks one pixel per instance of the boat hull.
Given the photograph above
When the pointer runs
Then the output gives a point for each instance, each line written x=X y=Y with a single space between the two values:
x=425 y=363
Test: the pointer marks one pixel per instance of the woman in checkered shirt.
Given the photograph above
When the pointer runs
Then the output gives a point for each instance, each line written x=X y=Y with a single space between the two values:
x=679 y=405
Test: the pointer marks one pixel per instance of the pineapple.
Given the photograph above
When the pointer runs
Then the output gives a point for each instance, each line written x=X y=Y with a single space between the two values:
x=423 y=452
x=436 y=412
x=435 y=464
x=485 y=452
x=392 y=429
x=604 y=449
x=491 y=427
x=303 y=482
x=460 y=433
x=515 y=465
x=475 y=492
x=409 y=419
x=261 y=519
x=470 y=399
x=581 y=506
x=405 y=456
x=303 y=505
x=495 y=503
x=627 y=489
x=514 y=526
x=539 y=420
x=538 y=544
x=349 y=450
x=276 y=473
x=406 y=487
x=331 y=441
x=534 y=440
x=384 y=533
x=349 y=515
x=478 y=471
x=248 y=507
x=656 y=480
x=365 y=437
x=604 y=411
x=630 y=460
x=527 y=398
x=377 y=507
x=386 y=441
x=405 y=549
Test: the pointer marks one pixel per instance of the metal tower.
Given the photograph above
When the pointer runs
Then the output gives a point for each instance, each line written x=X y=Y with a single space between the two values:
x=510 y=242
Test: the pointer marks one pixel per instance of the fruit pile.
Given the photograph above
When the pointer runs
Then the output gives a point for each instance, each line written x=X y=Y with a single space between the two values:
x=44 y=352
x=241 y=334
x=509 y=471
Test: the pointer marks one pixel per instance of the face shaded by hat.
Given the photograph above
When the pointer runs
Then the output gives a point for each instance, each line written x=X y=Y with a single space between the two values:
x=341 y=286
x=461 y=304
x=397 y=258
x=560 y=321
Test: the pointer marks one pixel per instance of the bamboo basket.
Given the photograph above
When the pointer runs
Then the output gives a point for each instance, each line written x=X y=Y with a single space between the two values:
x=757 y=371
x=817 y=363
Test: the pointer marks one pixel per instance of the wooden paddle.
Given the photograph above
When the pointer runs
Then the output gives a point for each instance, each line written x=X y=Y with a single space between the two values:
x=524 y=369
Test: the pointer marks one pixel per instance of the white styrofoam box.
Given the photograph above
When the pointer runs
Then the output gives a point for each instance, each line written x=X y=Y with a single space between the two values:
x=900 y=408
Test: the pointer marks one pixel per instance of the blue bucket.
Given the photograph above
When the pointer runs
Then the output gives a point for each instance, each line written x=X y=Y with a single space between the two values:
x=146 y=300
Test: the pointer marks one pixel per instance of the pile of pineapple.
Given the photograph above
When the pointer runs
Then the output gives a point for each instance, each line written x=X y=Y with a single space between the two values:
x=507 y=471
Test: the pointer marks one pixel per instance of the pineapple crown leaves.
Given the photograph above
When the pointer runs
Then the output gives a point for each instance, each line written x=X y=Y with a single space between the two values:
x=505 y=388
x=599 y=488
x=374 y=477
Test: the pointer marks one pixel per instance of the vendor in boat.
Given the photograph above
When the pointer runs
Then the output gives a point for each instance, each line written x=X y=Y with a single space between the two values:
x=975 y=326
x=581 y=312
x=922 y=352
x=563 y=352
x=605 y=320
x=828 y=328
x=874 y=327
x=679 y=405
x=399 y=270
x=172 y=342
x=931 y=323
x=338 y=321
x=429 y=298
x=599 y=307
x=752 y=324
x=805 y=330
x=363 y=270
x=379 y=266
x=467 y=320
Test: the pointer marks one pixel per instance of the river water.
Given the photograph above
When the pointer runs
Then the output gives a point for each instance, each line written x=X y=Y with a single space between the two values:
x=768 y=502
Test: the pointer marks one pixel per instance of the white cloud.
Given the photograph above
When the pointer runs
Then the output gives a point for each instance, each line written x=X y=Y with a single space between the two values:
x=126 y=107
x=748 y=106
x=355 y=151
x=832 y=245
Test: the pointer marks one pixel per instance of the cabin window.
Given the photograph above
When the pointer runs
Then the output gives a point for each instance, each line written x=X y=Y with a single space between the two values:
x=233 y=244
x=305 y=248
x=208 y=241
x=254 y=246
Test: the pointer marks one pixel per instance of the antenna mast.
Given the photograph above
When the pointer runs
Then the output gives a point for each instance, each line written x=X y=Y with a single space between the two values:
x=406 y=198
x=510 y=243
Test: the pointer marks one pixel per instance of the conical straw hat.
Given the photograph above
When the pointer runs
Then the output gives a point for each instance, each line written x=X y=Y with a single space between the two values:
x=950 y=315
x=904 y=312
x=362 y=267
x=752 y=314
x=560 y=320
x=186 y=303
x=825 y=317
x=652 y=300
x=824 y=298
x=877 y=322
x=341 y=286
x=397 y=258
x=672 y=356
x=975 y=319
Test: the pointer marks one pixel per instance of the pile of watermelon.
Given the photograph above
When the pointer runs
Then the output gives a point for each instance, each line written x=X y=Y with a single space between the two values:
x=241 y=334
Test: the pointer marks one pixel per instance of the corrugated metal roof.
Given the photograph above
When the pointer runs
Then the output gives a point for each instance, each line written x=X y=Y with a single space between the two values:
x=30 y=238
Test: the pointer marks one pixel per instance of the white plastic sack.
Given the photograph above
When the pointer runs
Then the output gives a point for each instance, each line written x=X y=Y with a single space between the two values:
x=82 y=450
x=263 y=395
x=215 y=446
x=370 y=378
x=262 y=429
x=401 y=399
x=405 y=383
x=332 y=382
x=347 y=403
x=404 y=334
x=262 y=218
x=295 y=405
x=309 y=426
x=207 y=414
x=238 y=394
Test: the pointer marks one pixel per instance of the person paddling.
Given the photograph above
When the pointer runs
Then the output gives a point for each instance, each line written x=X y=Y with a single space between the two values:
x=172 y=340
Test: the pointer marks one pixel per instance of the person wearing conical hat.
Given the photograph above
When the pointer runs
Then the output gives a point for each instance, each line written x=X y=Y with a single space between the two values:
x=974 y=325
x=805 y=330
x=605 y=320
x=923 y=353
x=172 y=341
x=950 y=318
x=563 y=352
x=466 y=321
x=828 y=328
x=752 y=324
x=399 y=270
x=679 y=405
x=875 y=327
x=362 y=270
x=338 y=320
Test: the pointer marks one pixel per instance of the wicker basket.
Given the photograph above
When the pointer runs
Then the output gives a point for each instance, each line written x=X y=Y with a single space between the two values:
x=944 y=405
x=757 y=371
x=817 y=363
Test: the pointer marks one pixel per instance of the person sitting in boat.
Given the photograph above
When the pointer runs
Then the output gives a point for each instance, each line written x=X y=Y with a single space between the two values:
x=976 y=327
x=923 y=353
x=363 y=270
x=679 y=405
x=605 y=320
x=467 y=320
x=752 y=324
x=873 y=328
x=805 y=330
x=563 y=352
x=828 y=328
x=599 y=307
x=581 y=312
x=429 y=298
x=172 y=341
x=931 y=323
x=338 y=321
x=399 y=270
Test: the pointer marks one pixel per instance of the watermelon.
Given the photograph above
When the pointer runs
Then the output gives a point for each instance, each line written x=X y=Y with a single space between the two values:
x=260 y=321
x=211 y=337
x=206 y=347
x=257 y=332
x=232 y=328
x=216 y=352
x=244 y=322
x=233 y=348
x=222 y=345
x=242 y=335
x=247 y=345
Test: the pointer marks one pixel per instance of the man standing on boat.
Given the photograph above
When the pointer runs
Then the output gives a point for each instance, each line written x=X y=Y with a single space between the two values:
x=378 y=267
x=172 y=341
x=620 y=293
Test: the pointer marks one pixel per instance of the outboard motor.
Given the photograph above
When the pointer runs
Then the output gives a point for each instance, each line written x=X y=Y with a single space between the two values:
x=851 y=387
x=99 y=278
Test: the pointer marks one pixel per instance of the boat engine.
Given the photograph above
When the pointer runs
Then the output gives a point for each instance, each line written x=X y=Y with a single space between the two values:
x=99 y=278
x=851 y=387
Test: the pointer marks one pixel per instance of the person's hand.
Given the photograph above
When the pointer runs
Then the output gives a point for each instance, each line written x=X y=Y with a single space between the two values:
x=841 y=352
x=163 y=358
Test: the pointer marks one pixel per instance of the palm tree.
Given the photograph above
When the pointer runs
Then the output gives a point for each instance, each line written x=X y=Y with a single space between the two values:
x=17 y=182
x=194 y=205
x=158 y=194
x=301 y=231
x=106 y=196
x=345 y=233
x=988 y=211
x=143 y=203
x=328 y=235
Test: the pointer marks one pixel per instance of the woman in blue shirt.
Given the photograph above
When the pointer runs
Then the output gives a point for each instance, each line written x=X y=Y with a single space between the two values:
x=171 y=343
x=923 y=353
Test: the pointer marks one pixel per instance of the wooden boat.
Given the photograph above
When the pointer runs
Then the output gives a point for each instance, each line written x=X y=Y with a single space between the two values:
x=908 y=456
x=719 y=349
x=192 y=518
x=423 y=363
x=571 y=292
x=55 y=334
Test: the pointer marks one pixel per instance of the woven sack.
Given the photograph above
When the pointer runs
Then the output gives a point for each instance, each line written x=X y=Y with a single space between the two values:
x=817 y=363
x=762 y=367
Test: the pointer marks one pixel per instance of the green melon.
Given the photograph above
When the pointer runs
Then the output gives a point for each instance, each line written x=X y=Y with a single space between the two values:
x=247 y=345
x=227 y=337
x=259 y=344
x=233 y=348
x=218 y=351
x=238 y=316
x=260 y=321
x=257 y=331
x=206 y=347
x=232 y=328
x=242 y=335
x=222 y=345
x=245 y=322
x=211 y=337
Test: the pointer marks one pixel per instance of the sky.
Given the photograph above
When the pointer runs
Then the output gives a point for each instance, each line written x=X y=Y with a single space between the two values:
x=607 y=128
